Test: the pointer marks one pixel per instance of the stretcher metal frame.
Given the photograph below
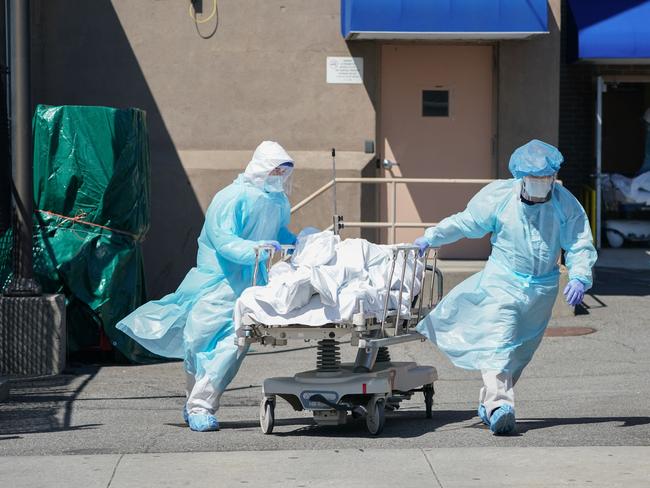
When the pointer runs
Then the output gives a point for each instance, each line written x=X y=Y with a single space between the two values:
x=373 y=383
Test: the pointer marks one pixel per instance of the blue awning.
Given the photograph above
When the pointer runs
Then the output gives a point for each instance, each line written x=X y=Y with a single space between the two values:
x=611 y=31
x=443 y=19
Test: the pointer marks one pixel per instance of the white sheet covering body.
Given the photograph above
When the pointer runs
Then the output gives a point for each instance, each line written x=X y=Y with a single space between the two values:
x=326 y=281
x=633 y=190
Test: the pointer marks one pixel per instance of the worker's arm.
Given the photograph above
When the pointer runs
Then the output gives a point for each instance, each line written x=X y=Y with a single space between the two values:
x=285 y=236
x=477 y=220
x=576 y=240
x=224 y=221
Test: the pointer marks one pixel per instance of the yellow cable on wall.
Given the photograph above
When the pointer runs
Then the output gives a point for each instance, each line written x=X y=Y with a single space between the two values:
x=192 y=13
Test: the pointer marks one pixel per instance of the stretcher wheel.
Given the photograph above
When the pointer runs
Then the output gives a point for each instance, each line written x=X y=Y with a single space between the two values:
x=428 y=399
x=267 y=414
x=376 y=416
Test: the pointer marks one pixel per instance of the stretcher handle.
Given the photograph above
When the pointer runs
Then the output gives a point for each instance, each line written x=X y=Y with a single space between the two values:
x=285 y=248
x=416 y=255
x=423 y=281
x=405 y=253
x=435 y=275
x=387 y=298
x=405 y=250
x=440 y=283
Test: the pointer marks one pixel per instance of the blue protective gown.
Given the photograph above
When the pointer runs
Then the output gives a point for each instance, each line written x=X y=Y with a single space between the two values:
x=196 y=321
x=495 y=319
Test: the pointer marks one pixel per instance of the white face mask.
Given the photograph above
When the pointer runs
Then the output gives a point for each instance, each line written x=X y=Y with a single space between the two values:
x=537 y=188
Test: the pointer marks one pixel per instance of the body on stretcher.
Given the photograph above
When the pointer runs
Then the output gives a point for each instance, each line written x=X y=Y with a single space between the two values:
x=373 y=383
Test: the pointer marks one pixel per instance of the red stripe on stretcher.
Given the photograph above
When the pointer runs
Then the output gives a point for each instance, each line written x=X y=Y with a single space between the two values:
x=364 y=388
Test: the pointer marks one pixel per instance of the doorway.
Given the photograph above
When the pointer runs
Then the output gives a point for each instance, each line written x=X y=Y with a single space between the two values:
x=436 y=121
x=622 y=210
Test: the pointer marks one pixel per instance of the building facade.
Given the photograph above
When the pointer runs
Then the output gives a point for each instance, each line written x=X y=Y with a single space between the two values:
x=400 y=88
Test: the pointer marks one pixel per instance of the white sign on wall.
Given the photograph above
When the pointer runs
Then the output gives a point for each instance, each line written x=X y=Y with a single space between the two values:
x=344 y=70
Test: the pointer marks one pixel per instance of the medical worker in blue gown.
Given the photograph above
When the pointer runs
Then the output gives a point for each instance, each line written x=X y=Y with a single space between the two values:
x=494 y=320
x=196 y=322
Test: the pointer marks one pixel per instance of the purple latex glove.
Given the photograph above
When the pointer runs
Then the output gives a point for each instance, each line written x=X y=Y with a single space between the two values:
x=422 y=243
x=574 y=292
x=276 y=245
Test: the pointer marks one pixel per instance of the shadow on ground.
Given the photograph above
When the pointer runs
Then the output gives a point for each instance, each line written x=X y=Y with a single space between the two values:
x=613 y=281
x=526 y=425
x=44 y=404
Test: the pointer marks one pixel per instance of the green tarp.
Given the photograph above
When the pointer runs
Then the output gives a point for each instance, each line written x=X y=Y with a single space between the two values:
x=91 y=190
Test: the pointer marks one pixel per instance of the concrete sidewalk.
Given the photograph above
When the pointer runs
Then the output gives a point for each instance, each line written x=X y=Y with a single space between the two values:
x=581 y=391
x=592 y=467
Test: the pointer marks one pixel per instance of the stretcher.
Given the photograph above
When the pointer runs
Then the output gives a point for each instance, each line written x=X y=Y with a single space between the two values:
x=336 y=391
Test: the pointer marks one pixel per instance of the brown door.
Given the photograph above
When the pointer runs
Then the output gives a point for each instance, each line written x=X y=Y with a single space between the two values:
x=436 y=122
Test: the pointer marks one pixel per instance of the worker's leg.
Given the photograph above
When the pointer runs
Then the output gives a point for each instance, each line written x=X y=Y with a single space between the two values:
x=498 y=389
x=189 y=383
x=211 y=353
x=215 y=370
x=497 y=397
x=189 y=386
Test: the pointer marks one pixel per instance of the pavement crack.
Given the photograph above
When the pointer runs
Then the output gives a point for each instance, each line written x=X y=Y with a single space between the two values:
x=114 y=471
x=433 y=471
x=611 y=341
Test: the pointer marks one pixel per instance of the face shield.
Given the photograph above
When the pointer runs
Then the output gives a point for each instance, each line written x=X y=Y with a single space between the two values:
x=279 y=179
x=537 y=189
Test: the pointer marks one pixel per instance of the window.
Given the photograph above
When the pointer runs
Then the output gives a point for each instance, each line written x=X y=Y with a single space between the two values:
x=435 y=103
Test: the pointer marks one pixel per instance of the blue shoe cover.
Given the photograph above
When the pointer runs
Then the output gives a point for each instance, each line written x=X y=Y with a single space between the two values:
x=482 y=413
x=185 y=415
x=203 y=422
x=502 y=421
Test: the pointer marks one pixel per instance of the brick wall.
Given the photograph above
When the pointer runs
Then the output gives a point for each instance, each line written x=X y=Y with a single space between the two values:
x=578 y=108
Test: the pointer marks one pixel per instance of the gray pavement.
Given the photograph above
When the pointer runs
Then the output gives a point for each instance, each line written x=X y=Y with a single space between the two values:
x=606 y=467
x=583 y=391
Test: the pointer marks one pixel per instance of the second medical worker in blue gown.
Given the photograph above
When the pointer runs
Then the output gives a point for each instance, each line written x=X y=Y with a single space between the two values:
x=196 y=322
x=495 y=320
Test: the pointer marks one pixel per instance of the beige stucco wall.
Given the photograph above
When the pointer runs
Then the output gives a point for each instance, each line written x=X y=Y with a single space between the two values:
x=529 y=89
x=209 y=102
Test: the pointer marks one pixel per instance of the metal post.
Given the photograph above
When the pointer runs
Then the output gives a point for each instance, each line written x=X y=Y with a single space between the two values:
x=600 y=88
x=23 y=283
x=394 y=212
x=5 y=153
x=336 y=218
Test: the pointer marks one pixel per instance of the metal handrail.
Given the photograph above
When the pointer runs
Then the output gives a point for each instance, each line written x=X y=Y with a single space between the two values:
x=381 y=225
x=311 y=197
x=393 y=181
